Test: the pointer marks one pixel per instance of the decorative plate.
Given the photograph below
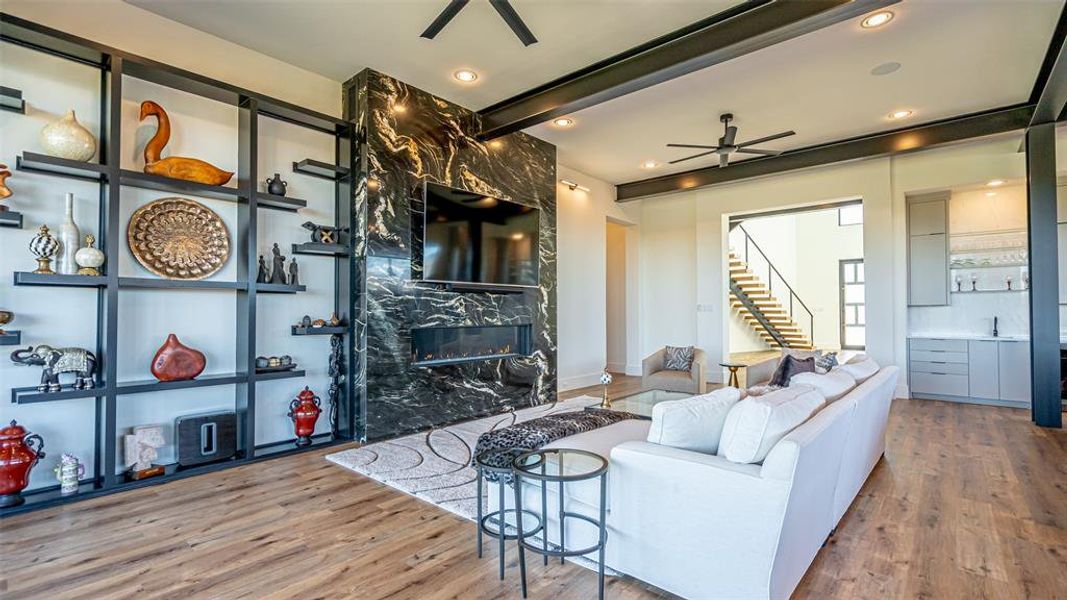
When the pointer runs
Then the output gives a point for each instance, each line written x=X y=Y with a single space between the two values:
x=177 y=238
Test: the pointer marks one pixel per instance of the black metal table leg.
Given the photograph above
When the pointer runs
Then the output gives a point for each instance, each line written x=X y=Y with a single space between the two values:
x=502 y=524
x=562 y=510
x=603 y=531
x=478 y=523
x=544 y=513
x=517 y=483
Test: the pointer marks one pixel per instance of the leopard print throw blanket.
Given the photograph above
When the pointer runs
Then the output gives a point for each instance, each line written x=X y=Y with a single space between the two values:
x=535 y=433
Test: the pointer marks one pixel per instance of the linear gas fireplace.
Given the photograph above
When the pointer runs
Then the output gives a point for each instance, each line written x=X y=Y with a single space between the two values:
x=431 y=346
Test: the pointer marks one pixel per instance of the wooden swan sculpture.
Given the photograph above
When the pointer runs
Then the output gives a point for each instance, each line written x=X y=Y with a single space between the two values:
x=175 y=167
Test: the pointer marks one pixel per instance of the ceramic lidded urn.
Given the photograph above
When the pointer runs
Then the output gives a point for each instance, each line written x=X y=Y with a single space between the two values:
x=67 y=138
x=19 y=453
x=304 y=410
x=174 y=361
x=89 y=258
x=44 y=247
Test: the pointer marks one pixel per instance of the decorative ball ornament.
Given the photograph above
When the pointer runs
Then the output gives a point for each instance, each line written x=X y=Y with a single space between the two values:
x=44 y=247
x=90 y=259
x=606 y=378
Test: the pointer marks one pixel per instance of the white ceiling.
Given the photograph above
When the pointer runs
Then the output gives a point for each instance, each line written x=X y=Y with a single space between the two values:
x=338 y=38
x=957 y=56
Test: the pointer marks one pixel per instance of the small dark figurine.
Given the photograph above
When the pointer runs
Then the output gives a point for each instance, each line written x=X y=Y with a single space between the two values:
x=324 y=234
x=294 y=273
x=278 y=274
x=56 y=361
x=306 y=321
x=263 y=275
x=276 y=186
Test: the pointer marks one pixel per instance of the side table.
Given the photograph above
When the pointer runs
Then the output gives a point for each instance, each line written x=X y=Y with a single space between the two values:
x=495 y=523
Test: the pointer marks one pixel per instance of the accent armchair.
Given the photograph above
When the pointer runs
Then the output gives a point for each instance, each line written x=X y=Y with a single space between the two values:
x=655 y=377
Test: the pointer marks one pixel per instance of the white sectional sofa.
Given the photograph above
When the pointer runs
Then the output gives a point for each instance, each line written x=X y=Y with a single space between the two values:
x=703 y=527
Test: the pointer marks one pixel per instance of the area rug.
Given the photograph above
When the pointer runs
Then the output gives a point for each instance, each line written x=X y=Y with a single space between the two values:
x=435 y=465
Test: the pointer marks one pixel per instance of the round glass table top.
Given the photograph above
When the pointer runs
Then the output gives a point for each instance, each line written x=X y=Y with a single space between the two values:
x=560 y=464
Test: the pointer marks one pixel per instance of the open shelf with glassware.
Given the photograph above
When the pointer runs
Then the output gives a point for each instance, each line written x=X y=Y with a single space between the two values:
x=117 y=185
x=989 y=261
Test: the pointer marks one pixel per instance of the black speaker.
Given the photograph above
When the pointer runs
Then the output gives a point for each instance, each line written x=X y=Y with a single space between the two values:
x=205 y=438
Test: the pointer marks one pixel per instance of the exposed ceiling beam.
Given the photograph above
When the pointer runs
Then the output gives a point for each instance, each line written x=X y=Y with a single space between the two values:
x=1050 y=90
x=746 y=28
x=878 y=144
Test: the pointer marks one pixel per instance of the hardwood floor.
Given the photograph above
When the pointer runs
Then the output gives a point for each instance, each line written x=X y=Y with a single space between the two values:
x=970 y=502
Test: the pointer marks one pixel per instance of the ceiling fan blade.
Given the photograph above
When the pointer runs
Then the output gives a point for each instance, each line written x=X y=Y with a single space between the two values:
x=514 y=21
x=692 y=146
x=692 y=157
x=724 y=160
x=729 y=136
x=758 y=151
x=766 y=139
x=449 y=13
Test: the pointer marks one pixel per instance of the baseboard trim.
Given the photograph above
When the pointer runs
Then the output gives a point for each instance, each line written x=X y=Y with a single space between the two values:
x=634 y=370
x=901 y=391
x=578 y=381
x=616 y=367
x=979 y=401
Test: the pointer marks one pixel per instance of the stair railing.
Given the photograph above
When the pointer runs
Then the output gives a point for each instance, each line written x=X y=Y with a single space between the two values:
x=772 y=271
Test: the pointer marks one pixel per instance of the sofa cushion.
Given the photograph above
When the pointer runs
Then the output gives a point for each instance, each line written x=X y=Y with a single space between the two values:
x=755 y=424
x=860 y=371
x=598 y=441
x=678 y=358
x=832 y=385
x=693 y=423
x=789 y=366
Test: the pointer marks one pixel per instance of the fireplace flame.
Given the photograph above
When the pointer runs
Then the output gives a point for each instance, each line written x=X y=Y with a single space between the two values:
x=487 y=353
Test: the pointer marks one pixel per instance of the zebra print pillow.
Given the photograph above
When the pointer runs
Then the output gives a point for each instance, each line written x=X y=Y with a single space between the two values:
x=678 y=358
x=825 y=362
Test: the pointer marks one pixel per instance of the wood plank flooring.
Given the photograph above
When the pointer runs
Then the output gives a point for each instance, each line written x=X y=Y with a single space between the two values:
x=971 y=502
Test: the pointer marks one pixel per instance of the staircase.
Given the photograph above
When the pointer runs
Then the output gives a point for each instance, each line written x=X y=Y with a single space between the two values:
x=754 y=299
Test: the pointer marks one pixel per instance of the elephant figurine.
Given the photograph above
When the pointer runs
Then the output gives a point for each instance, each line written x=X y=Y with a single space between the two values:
x=55 y=361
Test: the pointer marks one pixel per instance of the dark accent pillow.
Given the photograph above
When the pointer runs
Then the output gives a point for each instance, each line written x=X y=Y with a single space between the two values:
x=678 y=358
x=789 y=366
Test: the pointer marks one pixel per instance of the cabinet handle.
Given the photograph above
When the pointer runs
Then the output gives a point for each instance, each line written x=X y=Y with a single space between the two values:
x=939 y=373
x=938 y=362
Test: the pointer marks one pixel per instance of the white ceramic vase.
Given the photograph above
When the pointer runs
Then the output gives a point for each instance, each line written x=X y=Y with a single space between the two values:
x=67 y=138
x=69 y=240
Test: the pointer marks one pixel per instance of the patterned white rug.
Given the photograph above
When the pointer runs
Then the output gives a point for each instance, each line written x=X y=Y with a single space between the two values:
x=435 y=465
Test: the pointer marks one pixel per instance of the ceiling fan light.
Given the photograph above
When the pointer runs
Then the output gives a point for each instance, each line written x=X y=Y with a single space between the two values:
x=877 y=19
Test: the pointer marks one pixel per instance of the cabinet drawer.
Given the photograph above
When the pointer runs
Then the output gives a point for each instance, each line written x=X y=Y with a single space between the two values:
x=938 y=356
x=938 y=344
x=947 y=368
x=929 y=383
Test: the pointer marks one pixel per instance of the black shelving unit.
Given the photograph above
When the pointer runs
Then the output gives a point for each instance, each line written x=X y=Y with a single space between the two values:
x=316 y=249
x=114 y=65
x=11 y=100
x=10 y=337
x=339 y=330
x=10 y=218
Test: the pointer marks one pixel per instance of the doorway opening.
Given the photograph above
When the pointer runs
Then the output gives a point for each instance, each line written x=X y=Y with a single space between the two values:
x=615 y=297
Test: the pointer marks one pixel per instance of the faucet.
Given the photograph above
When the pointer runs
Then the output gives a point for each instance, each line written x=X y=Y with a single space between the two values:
x=995 y=332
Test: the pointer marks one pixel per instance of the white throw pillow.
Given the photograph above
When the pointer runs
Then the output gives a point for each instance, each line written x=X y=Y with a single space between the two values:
x=860 y=371
x=832 y=385
x=756 y=424
x=693 y=423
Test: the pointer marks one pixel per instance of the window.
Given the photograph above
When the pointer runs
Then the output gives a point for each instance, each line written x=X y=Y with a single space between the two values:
x=853 y=305
x=850 y=215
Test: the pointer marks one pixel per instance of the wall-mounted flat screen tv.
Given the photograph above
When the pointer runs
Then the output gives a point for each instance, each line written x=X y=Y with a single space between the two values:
x=474 y=238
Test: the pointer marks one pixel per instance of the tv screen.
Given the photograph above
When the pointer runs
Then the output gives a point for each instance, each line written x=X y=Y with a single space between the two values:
x=473 y=238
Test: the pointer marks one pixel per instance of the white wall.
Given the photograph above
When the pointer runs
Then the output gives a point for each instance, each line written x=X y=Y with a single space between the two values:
x=582 y=273
x=201 y=319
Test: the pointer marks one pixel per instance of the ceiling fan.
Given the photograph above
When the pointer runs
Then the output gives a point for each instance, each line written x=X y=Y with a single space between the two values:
x=503 y=7
x=726 y=145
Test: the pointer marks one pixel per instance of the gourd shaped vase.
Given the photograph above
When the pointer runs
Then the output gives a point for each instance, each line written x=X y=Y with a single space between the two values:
x=89 y=258
x=175 y=361
x=67 y=138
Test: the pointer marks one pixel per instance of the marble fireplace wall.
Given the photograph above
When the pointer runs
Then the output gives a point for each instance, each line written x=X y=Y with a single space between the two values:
x=408 y=136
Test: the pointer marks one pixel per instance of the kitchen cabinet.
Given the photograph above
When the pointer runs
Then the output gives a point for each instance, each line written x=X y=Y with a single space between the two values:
x=983 y=369
x=928 y=280
x=1014 y=369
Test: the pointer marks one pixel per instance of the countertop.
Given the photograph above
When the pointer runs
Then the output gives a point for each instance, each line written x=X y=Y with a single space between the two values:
x=979 y=337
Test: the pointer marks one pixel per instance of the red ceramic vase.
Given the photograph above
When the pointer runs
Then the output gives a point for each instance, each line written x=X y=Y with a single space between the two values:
x=18 y=454
x=175 y=361
x=304 y=410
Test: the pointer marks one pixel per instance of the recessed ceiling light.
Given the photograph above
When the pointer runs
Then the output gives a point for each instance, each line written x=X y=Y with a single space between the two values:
x=899 y=114
x=877 y=19
x=990 y=194
x=465 y=75
x=886 y=68
x=649 y=164
x=563 y=122
x=995 y=182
